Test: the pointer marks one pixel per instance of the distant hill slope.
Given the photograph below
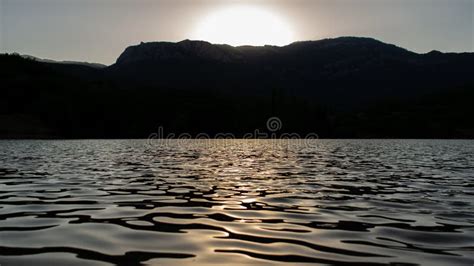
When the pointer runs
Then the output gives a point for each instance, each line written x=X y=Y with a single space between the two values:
x=93 y=65
x=344 y=87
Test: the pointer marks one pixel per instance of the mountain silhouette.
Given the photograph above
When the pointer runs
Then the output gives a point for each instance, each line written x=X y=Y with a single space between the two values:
x=356 y=67
x=343 y=87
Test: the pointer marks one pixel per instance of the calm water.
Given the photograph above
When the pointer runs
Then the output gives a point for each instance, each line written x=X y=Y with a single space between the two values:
x=236 y=202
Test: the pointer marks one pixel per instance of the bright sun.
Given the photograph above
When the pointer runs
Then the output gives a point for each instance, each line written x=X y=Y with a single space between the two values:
x=244 y=25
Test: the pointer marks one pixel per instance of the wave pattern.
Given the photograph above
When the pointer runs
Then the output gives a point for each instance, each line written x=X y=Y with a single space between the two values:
x=131 y=202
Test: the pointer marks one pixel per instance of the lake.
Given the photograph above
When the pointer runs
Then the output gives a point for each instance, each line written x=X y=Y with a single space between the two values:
x=257 y=202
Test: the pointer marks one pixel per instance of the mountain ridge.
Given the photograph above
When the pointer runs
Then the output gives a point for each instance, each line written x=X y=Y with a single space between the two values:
x=240 y=47
x=206 y=49
x=309 y=67
x=199 y=46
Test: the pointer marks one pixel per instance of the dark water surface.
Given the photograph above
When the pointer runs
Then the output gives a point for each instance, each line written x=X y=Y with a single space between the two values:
x=127 y=202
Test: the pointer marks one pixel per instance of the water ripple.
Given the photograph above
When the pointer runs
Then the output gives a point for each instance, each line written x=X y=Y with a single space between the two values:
x=124 y=202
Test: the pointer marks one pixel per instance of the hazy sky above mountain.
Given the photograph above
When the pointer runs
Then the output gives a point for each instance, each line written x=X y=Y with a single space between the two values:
x=99 y=30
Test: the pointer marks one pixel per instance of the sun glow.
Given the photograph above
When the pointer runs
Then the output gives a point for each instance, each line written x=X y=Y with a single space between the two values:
x=244 y=25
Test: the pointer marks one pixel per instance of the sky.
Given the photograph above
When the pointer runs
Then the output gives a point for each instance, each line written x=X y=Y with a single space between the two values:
x=99 y=30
